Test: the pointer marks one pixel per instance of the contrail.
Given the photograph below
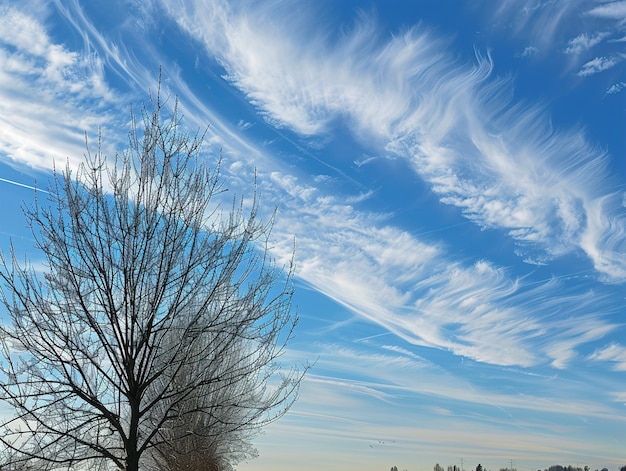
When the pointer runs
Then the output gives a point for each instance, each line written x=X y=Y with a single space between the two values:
x=23 y=185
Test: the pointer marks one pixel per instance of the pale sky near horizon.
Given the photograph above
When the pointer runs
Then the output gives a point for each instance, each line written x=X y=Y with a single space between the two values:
x=453 y=173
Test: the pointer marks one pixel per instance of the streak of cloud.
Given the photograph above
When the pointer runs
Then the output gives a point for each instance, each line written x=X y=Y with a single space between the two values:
x=610 y=10
x=23 y=185
x=428 y=107
x=597 y=65
x=49 y=95
x=584 y=42
x=615 y=88
x=500 y=162
x=613 y=353
x=426 y=298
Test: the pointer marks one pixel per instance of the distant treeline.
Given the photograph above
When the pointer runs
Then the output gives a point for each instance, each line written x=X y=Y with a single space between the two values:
x=556 y=467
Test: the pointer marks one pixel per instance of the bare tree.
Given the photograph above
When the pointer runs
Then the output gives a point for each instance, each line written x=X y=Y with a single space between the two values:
x=159 y=320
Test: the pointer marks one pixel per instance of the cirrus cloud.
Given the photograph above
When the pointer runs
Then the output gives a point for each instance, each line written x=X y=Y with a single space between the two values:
x=598 y=64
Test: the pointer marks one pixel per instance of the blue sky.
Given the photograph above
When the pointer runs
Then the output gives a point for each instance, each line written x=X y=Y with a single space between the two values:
x=454 y=174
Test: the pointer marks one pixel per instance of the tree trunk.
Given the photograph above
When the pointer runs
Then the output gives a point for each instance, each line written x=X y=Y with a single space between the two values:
x=132 y=453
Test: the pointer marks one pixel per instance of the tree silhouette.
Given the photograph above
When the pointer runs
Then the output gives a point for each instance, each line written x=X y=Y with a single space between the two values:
x=158 y=321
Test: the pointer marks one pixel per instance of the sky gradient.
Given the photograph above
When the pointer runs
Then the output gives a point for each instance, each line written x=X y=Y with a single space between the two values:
x=454 y=176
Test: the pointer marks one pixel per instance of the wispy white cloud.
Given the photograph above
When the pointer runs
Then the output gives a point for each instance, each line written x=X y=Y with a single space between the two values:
x=584 y=42
x=430 y=111
x=364 y=160
x=415 y=290
x=599 y=64
x=541 y=21
x=49 y=95
x=610 y=10
x=502 y=163
x=613 y=353
x=243 y=125
x=142 y=75
x=529 y=51
x=388 y=376
x=572 y=27
x=615 y=88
